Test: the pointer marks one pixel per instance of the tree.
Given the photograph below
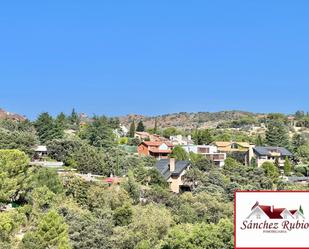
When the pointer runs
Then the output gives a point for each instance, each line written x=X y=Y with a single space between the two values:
x=132 y=129
x=21 y=140
x=297 y=141
x=51 y=232
x=170 y=131
x=47 y=128
x=149 y=225
x=13 y=167
x=179 y=153
x=155 y=129
x=287 y=167
x=74 y=118
x=87 y=231
x=270 y=170
x=200 y=236
x=277 y=134
x=140 y=126
x=202 y=137
x=259 y=140
x=88 y=159
x=99 y=133
x=132 y=187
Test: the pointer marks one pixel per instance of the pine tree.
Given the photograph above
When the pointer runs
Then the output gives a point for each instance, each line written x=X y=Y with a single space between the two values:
x=155 y=130
x=140 y=126
x=287 y=167
x=74 y=119
x=259 y=140
x=277 y=134
x=132 y=129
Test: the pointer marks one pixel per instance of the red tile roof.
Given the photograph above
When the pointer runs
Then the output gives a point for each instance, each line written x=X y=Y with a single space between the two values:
x=157 y=143
x=155 y=150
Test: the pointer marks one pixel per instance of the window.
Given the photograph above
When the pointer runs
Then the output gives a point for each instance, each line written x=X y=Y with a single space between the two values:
x=234 y=146
x=258 y=216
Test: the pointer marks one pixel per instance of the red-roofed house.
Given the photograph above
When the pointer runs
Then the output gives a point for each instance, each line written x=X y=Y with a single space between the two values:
x=269 y=212
x=159 y=150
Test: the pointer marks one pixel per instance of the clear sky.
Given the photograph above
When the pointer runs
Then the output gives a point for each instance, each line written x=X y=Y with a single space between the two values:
x=154 y=57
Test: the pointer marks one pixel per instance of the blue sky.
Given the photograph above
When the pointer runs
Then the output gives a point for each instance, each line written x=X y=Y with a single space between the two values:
x=154 y=57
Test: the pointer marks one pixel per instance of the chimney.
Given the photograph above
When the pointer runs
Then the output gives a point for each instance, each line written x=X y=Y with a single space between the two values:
x=172 y=164
x=272 y=209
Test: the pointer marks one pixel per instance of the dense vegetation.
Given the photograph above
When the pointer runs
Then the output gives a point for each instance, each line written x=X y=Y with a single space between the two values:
x=65 y=211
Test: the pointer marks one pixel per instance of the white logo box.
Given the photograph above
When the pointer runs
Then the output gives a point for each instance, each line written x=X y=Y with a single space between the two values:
x=271 y=219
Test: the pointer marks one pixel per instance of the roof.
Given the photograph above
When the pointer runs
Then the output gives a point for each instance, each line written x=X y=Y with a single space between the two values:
x=155 y=150
x=225 y=144
x=157 y=143
x=267 y=151
x=163 y=167
x=271 y=212
x=41 y=148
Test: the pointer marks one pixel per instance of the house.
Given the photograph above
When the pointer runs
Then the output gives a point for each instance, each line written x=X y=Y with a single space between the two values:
x=242 y=150
x=173 y=171
x=209 y=151
x=145 y=136
x=269 y=212
x=40 y=152
x=271 y=154
x=181 y=140
x=159 y=150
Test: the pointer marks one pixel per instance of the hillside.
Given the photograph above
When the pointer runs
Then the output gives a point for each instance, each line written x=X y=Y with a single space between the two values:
x=8 y=115
x=187 y=120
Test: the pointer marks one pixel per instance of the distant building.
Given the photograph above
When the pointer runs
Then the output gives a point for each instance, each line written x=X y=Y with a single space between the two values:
x=271 y=154
x=209 y=151
x=181 y=140
x=146 y=136
x=159 y=150
x=242 y=150
x=173 y=171
x=40 y=152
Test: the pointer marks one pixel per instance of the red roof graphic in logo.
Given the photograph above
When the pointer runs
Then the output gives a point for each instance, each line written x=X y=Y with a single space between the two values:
x=258 y=211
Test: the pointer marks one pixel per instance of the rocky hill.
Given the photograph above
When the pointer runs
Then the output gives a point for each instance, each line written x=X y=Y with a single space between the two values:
x=187 y=120
x=13 y=116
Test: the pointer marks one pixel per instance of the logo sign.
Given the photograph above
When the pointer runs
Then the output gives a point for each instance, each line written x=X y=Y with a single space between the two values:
x=271 y=219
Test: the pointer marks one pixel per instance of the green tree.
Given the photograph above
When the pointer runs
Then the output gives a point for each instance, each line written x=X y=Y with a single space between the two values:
x=51 y=232
x=270 y=170
x=132 y=187
x=21 y=140
x=99 y=132
x=13 y=168
x=149 y=225
x=277 y=134
x=287 y=167
x=74 y=118
x=140 y=126
x=170 y=131
x=259 y=140
x=179 y=153
x=47 y=129
x=202 y=136
x=132 y=129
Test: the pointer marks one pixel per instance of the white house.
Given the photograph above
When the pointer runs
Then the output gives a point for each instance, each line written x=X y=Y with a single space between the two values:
x=209 y=151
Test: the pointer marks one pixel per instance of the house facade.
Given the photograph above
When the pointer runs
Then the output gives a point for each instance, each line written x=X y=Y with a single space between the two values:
x=159 y=150
x=173 y=171
x=271 y=154
x=181 y=140
x=243 y=150
x=209 y=151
